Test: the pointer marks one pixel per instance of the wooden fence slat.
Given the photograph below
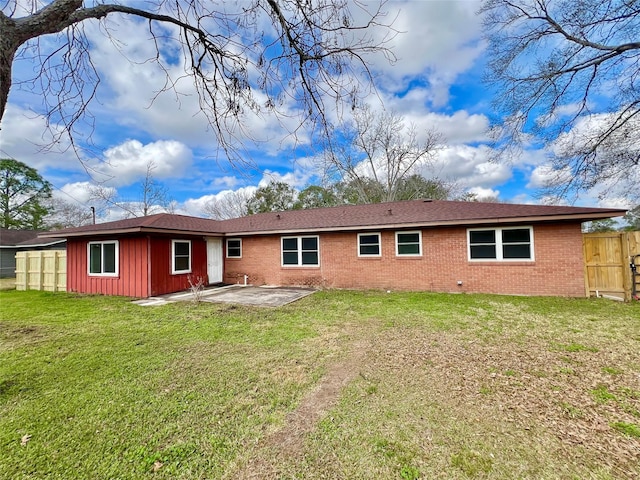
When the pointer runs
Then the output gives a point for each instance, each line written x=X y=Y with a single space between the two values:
x=606 y=262
x=41 y=270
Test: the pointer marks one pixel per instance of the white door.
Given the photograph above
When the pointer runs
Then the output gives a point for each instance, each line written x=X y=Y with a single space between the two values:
x=214 y=260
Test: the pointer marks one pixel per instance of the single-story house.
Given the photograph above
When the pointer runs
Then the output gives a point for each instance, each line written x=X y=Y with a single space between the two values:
x=444 y=246
x=14 y=241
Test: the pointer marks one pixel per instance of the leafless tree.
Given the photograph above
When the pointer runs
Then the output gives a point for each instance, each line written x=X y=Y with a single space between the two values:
x=381 y=151
x=67 y=214
x=232 y=204
x=567 y=75
x=249 y=56
x=153 y=197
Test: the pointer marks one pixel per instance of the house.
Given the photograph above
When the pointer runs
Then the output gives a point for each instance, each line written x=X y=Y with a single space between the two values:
x=13 y=241
x=443 y=246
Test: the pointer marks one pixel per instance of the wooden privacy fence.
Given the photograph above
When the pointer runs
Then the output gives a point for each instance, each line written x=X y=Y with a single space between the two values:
x=607 y=257
x=42 y=270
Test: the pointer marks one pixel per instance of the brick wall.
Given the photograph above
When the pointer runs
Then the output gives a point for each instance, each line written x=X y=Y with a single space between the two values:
x=557 y=269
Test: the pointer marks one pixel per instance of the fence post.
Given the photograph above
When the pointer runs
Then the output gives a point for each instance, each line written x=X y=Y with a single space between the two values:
x=54 y=287
x=40 y=277
x=587 y=286
x=21 y=271
x=626 y=271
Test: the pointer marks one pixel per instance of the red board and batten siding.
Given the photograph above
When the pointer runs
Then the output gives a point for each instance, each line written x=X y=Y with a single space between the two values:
x=162 y=281
x=133 y=278
x=137 y=276
x=557 y=269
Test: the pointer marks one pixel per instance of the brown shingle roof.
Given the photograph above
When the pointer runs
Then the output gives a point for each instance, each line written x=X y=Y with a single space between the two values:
x=411 y=213
x=10 y=237
x=406 y=214
x=160 y=223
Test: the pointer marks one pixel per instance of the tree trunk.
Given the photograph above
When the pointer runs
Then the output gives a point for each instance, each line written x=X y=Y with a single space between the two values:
x=8 y=48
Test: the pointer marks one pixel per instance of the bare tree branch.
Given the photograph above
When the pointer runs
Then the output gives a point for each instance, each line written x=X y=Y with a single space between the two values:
x=381 y=148
x=314 y=52
x=567 y=78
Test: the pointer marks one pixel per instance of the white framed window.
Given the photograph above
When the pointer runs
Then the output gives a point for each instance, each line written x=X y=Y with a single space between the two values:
x=369 y=245
x=300 y=251
x=501 y=244
x=234 y=248
x=103 y=258
x=180 y=256
x=409 y=244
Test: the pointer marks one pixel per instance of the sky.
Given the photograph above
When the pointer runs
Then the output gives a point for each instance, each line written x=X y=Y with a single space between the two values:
x=435 y=84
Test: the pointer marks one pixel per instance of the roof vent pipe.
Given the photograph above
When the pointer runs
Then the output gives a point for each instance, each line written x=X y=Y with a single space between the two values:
x=389 y=212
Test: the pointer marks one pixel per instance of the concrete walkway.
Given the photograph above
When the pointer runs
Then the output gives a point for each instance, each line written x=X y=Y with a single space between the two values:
x=249 y=295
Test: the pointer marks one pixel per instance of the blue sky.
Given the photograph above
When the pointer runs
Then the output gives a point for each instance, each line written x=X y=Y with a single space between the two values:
x=435 y=84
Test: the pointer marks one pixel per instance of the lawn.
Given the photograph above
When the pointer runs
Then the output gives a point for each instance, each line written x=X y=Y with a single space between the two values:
x=338 y=385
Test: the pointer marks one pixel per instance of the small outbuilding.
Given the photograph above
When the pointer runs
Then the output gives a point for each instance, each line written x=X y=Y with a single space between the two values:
x=14 y=241
x=443 y=246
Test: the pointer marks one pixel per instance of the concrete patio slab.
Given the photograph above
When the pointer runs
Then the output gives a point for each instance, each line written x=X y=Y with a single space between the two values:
x=240 y=294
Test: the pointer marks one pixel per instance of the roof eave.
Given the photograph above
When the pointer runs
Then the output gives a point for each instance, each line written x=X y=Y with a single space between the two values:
x=124 y=231
x=583 y=217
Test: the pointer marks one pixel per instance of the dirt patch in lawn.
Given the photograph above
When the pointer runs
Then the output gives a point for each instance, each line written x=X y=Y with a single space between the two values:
x=286 y=444
x=14 y=336
x=578 y=396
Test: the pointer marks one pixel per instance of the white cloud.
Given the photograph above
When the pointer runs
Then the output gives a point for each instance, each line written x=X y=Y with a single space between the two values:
x=197 y=206
x=127 y=163
x=484 y=193
x=455 y=128
x=297 y=178
x=469 y=167
x=226 y=181
x=164 y=102
x=561 y=111
x=438 y=40
x=545 y=175
x=25 y=137
x=459 y=128
x=78 y=192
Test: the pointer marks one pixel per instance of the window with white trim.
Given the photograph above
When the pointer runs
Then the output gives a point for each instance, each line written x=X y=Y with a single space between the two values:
x=369 y=245
x=103 y=258
x=502 y=244
x=180 y=256
x=409 y=244
x=300 y=251
x=234 y=248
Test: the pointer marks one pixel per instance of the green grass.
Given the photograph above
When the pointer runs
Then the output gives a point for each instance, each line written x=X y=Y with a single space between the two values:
x=7 y=283
x=445 y=386
x=630 y=429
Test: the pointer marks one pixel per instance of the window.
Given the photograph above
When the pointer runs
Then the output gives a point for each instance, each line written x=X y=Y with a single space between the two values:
x=369 y=245
x=300 y=251
x=181 y=256
x=409 y=244
x=234 y=248
x=508 y=244
x=103 y=258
